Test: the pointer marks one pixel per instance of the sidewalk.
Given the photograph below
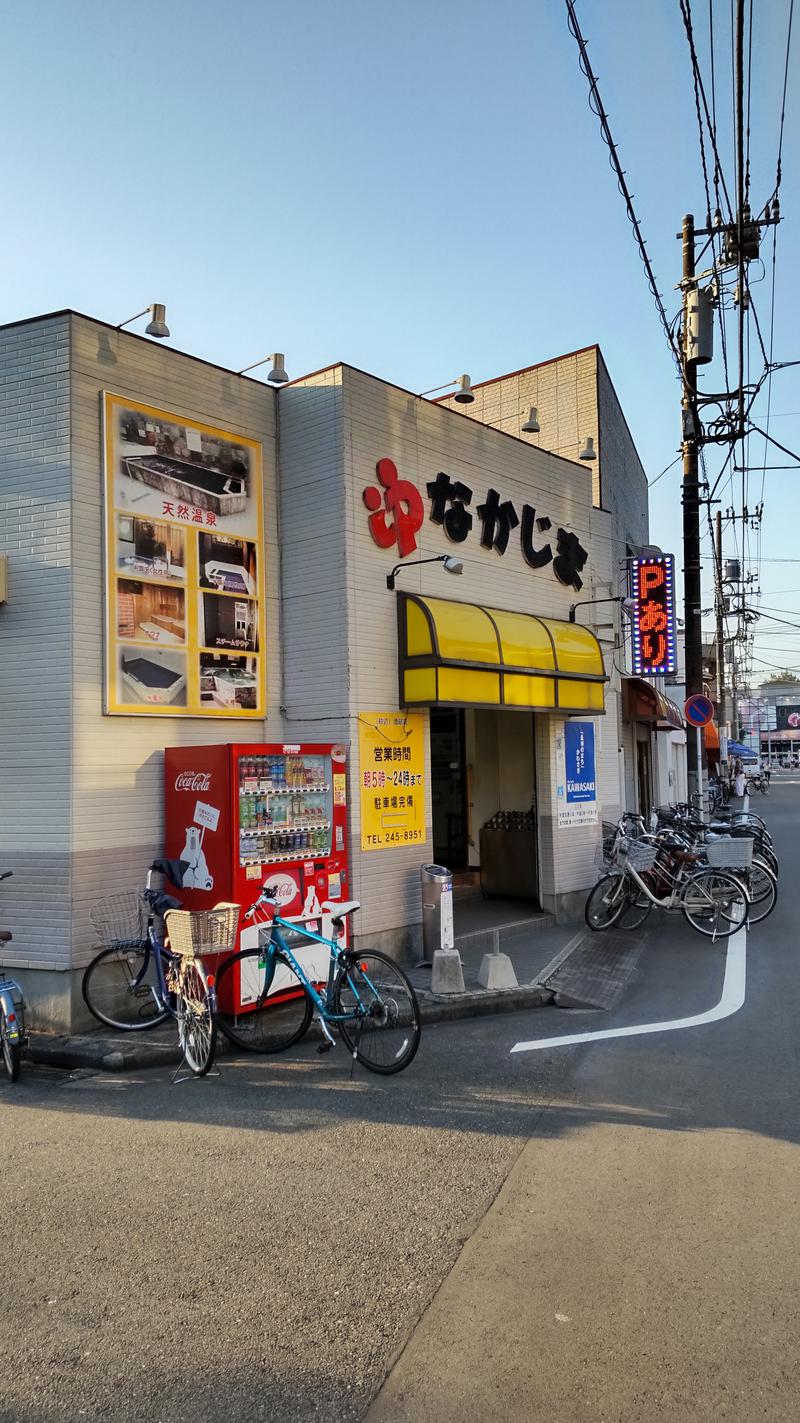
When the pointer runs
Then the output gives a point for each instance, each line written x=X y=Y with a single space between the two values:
x=535 y=957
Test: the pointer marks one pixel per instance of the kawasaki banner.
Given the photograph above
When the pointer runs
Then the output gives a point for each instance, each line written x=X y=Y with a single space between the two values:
x=577 y=774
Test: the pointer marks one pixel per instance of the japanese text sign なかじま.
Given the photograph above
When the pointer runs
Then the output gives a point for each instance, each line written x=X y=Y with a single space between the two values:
x=397 y=513
x=391 y=779
x=653 y=618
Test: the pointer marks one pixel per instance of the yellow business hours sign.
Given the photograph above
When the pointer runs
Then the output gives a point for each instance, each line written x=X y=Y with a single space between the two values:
x=392 y=780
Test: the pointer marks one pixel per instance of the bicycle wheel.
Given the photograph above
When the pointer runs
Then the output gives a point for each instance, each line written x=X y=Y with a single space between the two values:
x=12 y=1049
x=635 y=908
x=263 y=1025
x=382 y=1028
x=762 y=887
x=606 y=902
x=770 y=859
x=197 y=1017
x=120 y=988
x=715 y=903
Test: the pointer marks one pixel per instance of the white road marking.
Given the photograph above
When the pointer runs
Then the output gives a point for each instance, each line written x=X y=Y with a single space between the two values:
x=733 y=995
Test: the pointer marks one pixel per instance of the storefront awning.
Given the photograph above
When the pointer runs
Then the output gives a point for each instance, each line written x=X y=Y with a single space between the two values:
x=670 y=718
x=643 y=702
x=711 y=736
x=460 y=654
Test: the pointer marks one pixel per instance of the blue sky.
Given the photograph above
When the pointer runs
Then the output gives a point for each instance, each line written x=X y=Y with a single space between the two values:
x=417 y=189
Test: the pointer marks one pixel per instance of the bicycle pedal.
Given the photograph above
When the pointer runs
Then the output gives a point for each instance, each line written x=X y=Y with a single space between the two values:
x=325 y=1046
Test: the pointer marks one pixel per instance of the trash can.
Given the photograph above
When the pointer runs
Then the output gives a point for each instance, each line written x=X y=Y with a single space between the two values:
x=437 y=910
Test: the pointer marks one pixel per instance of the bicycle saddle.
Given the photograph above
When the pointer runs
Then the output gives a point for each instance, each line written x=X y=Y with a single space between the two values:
x=339 y=908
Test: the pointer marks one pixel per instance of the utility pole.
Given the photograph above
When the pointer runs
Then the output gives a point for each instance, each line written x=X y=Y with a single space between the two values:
x=719 y=604
x=740 y=239
x=691 y=514
x=740 y=205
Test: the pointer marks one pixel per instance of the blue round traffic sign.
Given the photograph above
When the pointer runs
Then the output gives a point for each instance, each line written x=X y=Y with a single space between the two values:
x=698 y=710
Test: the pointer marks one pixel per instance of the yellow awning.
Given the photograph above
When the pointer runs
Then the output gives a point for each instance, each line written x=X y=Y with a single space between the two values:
x=460 y=654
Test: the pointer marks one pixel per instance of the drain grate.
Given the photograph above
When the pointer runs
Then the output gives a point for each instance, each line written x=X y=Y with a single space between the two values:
x=597 y=970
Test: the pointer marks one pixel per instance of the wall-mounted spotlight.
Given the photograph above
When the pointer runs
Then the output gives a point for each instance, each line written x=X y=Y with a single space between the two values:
x=157 y=327
x=627 y=604
x=277 y=374
x=464 y=394
x=450 y=565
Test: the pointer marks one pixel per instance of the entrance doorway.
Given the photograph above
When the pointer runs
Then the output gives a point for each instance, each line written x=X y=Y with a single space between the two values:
x=643 y=782
x=449 y=788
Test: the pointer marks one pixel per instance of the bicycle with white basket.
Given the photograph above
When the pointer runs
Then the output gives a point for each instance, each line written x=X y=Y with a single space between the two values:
x=655 y=872
x=142 y=976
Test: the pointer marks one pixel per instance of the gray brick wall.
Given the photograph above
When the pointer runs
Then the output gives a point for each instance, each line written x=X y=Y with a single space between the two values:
x=314 y=573
x=35 y=644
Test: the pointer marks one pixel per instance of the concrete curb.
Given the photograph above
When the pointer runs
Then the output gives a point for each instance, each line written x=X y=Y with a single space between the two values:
x=102 y=1056
x=478 y=1003
x=53 y=1051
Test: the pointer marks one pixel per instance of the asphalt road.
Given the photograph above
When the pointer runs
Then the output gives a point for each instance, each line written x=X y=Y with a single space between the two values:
x=603 y=1232
x=640 y=1262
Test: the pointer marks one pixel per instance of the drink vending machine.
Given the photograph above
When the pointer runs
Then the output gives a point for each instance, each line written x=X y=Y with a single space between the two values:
x=241 y=816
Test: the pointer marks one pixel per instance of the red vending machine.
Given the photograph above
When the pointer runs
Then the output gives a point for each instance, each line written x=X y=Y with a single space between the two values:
x=240 y=816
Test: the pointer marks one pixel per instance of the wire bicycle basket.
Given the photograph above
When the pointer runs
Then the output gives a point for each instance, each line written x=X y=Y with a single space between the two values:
x=730 y=854
x=194 y=933
x=121 y=920
x=639 y=854
x=605 y=855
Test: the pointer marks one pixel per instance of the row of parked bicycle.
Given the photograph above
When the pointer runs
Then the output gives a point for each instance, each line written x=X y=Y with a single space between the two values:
x=158 y=962
x=720 y=874
x=721 y=791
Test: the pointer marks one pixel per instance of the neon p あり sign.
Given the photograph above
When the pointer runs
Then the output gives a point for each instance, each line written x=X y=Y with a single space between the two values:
x=653 y=619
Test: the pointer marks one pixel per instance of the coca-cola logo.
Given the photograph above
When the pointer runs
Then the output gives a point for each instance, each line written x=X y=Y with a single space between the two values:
x=193 y=781
x=283 y=887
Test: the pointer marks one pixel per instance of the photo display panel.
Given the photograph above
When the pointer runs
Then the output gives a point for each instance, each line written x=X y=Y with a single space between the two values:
x=184 y=566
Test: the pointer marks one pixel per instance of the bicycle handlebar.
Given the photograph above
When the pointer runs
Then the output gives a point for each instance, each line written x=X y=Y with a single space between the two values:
x=267 y=896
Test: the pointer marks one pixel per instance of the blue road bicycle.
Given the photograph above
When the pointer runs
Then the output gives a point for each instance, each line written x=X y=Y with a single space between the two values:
x=267 y=999
x=138 y=981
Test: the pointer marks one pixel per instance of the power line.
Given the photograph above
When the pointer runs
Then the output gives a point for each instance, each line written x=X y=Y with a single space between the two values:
x=778 y=172
x=665 y=471
x=596 y=105
x=719 y=176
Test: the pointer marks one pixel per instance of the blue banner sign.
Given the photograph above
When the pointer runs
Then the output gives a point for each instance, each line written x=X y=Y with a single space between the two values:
x=577 y=795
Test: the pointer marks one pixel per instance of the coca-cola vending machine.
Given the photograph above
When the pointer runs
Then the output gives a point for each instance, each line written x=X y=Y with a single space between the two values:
x=241 y=816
